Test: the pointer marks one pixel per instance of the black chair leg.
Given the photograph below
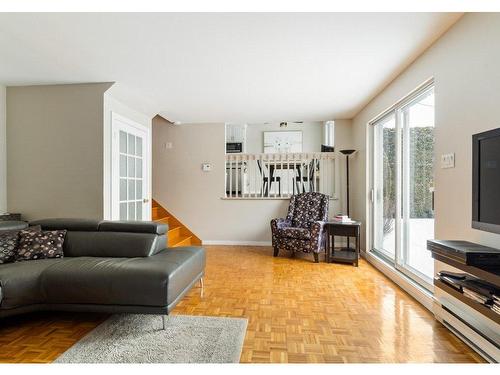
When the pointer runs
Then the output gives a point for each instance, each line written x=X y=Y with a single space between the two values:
x=276 y=251
x=316 y=257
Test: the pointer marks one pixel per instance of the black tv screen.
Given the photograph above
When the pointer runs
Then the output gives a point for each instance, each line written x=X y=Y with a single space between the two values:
x=486 y=181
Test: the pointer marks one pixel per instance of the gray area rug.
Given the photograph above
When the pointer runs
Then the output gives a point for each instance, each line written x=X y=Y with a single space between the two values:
x=141 y=339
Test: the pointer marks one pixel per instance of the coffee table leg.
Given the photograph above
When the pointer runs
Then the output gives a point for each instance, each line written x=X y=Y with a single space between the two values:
x=327 y=247
x=357 y=250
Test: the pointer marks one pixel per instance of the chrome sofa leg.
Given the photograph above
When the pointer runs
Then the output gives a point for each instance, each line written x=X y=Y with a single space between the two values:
x=202 y=286
x=164 y=318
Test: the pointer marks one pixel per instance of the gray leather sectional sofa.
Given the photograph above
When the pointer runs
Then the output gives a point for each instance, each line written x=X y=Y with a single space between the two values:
x=114 y=267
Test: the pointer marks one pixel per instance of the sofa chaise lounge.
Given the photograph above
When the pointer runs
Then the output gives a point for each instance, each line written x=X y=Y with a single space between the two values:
x=108 y=266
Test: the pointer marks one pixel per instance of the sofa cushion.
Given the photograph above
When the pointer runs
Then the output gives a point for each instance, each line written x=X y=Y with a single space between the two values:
x=292 y=232
x=133 y=227
x=112 y=244
x=20 y=282
x=153 y=281
x=35 y=245
x=68 y=224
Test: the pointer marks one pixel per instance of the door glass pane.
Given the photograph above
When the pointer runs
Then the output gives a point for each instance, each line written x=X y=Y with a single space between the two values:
x=138 y=210
x=131 y=190
x=131 y=166
x=419 y=185
x=131 y=211
x=130 y=182
x=123 y=211
x=123 y=189
x=123 y=142
x=138 y=167
x=123 y=166
x=138 y=190
x=131 y=144
x=138 y=146
x=385 y=186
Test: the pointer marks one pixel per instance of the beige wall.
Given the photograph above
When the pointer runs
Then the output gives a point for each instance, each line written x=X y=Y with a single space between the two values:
x=465 y=65
x=3 y=151
x=194 y=196
x=55 y=150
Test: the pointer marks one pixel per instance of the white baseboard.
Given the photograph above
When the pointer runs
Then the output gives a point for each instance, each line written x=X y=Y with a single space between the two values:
x=408 y=285
x=236 y=243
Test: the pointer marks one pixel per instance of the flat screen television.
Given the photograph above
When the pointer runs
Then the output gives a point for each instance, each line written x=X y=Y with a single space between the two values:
x=486 y=181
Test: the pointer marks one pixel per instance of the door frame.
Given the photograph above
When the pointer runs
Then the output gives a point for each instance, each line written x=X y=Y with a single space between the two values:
x=411 y=272
x=119 y=122
x=397 y=111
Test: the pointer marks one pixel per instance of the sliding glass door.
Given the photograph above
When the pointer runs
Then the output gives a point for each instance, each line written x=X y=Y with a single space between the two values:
x=403 y=186
x=385 y=176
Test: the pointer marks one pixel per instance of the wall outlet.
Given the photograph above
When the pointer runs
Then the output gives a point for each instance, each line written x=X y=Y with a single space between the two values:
x=448 y=160
x=168 y=145
x=206 y=167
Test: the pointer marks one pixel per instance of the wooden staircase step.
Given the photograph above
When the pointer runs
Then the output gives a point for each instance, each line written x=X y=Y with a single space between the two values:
x=163 y=220
x=183 y=240
x=155 y=212
x=174 y=232
x=178 y=233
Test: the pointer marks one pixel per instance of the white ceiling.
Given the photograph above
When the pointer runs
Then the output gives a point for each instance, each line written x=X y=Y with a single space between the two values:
x=217 y=67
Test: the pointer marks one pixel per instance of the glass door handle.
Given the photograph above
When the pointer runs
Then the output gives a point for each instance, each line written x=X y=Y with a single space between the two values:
x=145 y=200
x=431 y=190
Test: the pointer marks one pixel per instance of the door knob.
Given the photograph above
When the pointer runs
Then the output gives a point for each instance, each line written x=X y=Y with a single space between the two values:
x=145 y=200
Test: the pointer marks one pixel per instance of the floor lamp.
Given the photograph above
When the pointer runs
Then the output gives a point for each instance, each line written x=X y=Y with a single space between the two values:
x=347 y=153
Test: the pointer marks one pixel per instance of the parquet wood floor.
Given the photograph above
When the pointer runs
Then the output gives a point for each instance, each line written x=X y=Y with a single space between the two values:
x=297 y=311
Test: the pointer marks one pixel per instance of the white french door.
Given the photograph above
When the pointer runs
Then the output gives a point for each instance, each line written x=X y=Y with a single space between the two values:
x=403 y=185
x=131 y=156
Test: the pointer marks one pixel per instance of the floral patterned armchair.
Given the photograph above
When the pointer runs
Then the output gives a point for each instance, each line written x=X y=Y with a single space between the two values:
x=303 y=227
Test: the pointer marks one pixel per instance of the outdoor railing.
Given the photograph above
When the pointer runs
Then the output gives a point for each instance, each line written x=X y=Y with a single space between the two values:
x=272 y=176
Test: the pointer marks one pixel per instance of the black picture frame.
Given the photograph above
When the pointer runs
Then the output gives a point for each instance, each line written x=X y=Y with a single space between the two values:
x=476 y=166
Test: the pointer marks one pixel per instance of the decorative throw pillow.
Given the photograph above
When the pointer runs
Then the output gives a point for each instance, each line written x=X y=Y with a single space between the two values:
x=9 y=244
x=40 y=245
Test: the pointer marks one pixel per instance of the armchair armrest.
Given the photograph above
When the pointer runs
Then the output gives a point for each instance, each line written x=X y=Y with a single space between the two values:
x=317 y=235
x=280 y=223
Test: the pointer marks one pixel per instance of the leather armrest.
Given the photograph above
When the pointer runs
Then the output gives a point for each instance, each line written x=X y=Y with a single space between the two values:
x=12 y=225
x=133 y=227
x=81 y=225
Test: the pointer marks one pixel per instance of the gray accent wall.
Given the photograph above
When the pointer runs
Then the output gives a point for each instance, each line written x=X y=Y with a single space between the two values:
x=55 y=150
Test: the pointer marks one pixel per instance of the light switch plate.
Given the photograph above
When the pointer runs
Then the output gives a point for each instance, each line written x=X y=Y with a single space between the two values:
x=206 y=167
x=168 y=145
x=448 y=160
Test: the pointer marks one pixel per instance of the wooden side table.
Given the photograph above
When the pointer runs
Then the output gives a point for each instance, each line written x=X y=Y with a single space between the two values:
x=345 y=255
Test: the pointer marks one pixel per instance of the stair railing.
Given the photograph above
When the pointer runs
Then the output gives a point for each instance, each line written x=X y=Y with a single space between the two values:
x=280 y=175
